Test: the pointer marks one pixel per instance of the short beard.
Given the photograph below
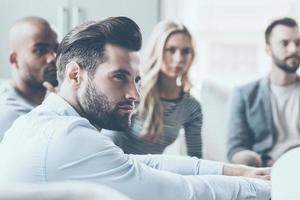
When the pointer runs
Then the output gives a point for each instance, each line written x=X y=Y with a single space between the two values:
x=100 y=111
x=287 y=69
x=283 y=66
x=50 y=75
x=35 y=84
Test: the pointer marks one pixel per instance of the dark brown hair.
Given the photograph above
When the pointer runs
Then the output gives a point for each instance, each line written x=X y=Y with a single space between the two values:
x=85 y=43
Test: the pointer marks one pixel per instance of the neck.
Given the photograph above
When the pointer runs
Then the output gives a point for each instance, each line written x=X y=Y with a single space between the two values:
x=168 y=88
x=33 y=95
x=69 y=95
x=282 y=78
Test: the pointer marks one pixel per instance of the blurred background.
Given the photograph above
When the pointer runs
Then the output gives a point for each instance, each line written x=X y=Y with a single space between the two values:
x=229 y=36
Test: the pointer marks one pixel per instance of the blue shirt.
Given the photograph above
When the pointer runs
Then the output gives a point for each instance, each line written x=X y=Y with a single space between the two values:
x=53 y=143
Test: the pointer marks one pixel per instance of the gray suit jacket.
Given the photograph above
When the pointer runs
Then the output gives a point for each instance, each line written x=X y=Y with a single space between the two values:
x=251 y=123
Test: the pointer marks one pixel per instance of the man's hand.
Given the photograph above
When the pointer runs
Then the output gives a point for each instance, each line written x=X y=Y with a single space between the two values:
x=252 y=172
x=247 y=157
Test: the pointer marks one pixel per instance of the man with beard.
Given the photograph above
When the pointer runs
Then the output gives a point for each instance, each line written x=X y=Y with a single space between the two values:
x=32 y=46
x=61 y=140
x=265 y=114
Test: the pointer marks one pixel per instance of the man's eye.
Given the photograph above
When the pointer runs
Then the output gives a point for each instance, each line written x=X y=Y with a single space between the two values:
x=41 y=50
x=138 y=81
x=284 y=43
x=55 y=48
x=120 y=77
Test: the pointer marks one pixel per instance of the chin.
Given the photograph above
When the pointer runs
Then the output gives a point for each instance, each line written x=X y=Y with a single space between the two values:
x=125 y=123
x=120 y=124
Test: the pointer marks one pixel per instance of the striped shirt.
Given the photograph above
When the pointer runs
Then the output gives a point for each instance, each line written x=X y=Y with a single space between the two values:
x=184 y=112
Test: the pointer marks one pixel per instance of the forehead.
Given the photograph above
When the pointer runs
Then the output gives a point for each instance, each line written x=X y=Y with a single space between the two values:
x=41 y=33
x=281 y=32
x=178 y=39
x=119 y=58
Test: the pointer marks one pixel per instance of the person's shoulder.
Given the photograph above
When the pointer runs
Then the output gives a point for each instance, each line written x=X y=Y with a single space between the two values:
x=64 y=125
x=254 y=84
x=190 y=105
x=8 y=114
x=252 y=87
x=11 y=108
x=56 y=120
x=76 y=138
x=189 y=99
x=10 y=99
x=6 y=92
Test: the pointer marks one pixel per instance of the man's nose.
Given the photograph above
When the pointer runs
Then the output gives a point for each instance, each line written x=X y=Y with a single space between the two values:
x=293 y=47
x=51 y=57
x=133 y=94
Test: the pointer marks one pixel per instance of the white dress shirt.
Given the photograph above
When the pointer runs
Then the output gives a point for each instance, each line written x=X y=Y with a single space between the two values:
x=53 y=143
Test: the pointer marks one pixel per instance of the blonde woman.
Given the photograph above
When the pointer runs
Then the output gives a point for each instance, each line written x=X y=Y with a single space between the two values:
x=166 y=105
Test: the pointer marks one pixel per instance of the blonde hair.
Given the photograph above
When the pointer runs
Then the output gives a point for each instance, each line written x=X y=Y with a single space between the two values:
x=150 y=108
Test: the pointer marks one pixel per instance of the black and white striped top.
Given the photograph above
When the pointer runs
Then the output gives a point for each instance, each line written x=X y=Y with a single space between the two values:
x=184 y=112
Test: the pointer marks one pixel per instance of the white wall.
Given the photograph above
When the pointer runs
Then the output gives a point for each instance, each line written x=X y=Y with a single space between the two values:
x=65 y=14
x=229 y=34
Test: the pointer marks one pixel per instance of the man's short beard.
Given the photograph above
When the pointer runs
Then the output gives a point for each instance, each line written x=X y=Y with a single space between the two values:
x=50 y=75
x=287 y=69
x=35 y=84
x=100 y=111
x=283 y=66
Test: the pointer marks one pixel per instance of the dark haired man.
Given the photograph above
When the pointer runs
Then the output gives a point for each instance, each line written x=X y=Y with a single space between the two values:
x=60 y=140
x=265 y=114
x=32 y=46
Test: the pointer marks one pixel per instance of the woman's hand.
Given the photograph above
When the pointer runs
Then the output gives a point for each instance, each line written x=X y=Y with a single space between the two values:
x=246 y=171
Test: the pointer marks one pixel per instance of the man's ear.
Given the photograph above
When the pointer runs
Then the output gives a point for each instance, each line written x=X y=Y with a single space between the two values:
x=268 y=49
x=13 y=58
x=72 y=73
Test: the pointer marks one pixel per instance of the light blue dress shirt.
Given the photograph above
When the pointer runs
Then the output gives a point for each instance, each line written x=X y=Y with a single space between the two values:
x=53 y=143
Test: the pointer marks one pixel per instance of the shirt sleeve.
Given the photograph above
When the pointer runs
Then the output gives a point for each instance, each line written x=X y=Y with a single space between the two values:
x=192 y=129
x=84 y=154
x=181 y=165
x=239 y=134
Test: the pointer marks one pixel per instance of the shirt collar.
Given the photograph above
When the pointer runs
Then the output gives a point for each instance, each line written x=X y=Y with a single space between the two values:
x=59 y=105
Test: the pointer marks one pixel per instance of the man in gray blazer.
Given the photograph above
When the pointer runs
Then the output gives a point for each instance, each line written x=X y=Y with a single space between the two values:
x=264 y=120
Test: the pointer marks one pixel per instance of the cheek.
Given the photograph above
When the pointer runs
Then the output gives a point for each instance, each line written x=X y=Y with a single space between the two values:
x=279 y=51
x=168 y=60
x=279 y=55
x=112 y=90
x=188 y=60
x=164 y=68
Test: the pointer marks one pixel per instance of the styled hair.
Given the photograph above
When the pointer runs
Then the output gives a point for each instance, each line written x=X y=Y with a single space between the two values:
x=286 y=21
x=85 y=43
x=150 y=108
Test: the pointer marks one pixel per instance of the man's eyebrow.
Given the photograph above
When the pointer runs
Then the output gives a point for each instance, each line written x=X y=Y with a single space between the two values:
x=39 y=44
x=118 y=71
x=46 y=45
